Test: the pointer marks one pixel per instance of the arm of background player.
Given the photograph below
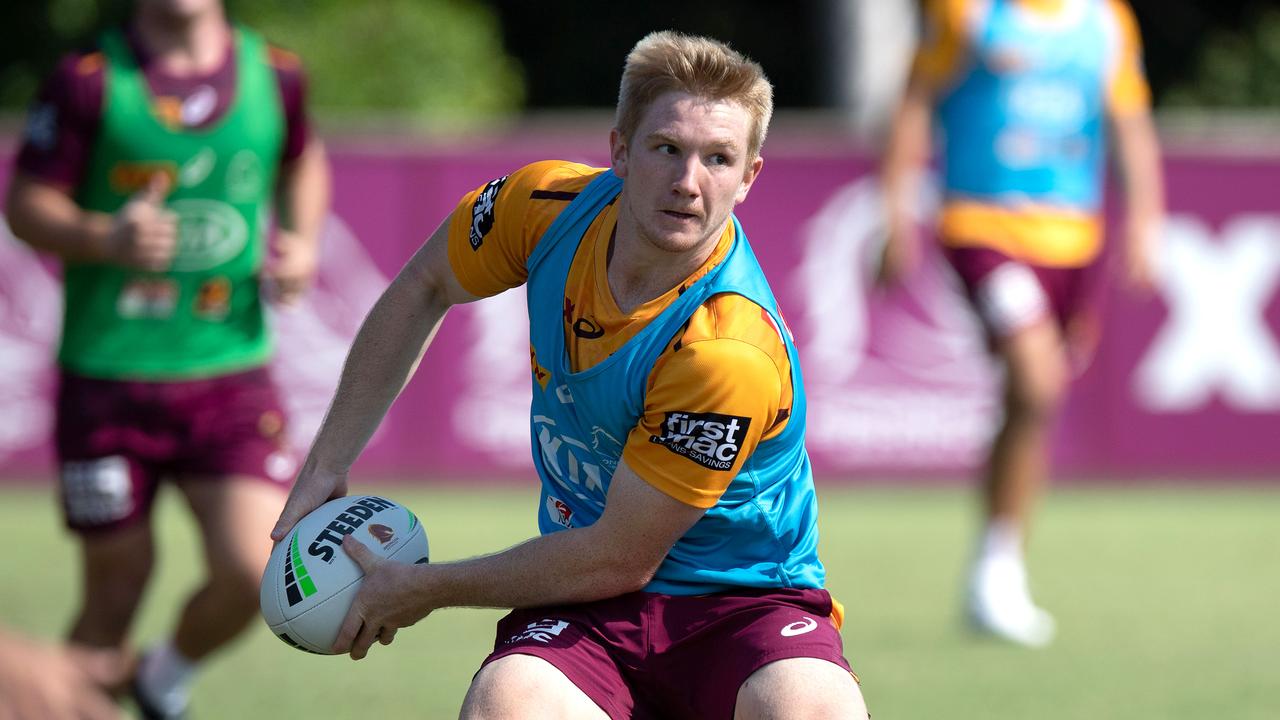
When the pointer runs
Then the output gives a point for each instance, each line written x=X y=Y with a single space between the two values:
x=46 y=218
x=383 y=357
x=907 y=151
x=143 y=234
x=617 y=554
x=1137 y=152
x=1138 y=158
x=302 y=202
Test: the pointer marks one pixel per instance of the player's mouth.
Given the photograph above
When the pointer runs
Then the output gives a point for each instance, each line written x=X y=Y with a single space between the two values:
x=680 y=216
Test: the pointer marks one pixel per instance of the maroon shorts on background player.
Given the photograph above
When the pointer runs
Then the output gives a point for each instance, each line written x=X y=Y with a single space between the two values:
x=116 y=440
x=646 y=655
x=1009 y=295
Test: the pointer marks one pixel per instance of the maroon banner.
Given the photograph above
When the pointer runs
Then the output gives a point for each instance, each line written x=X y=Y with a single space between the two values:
x=1186 y=382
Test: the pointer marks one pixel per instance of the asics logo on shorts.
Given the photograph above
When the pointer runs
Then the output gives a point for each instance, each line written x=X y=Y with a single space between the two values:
x=800 y=627
x=542 y=631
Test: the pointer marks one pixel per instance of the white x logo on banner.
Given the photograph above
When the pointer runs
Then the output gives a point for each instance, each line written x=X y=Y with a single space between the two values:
x=1216 y=339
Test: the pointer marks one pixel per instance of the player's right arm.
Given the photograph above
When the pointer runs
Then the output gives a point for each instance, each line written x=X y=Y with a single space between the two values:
x=383 y=357
x=479 y=251
x=907 y=151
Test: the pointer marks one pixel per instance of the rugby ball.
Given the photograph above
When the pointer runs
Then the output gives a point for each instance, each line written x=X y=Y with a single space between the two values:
x=310 y=581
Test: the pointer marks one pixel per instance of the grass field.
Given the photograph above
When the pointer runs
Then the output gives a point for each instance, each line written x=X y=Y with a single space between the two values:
x=1168 y=604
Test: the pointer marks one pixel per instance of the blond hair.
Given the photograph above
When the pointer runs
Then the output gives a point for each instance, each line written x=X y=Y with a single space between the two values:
x=665 y=61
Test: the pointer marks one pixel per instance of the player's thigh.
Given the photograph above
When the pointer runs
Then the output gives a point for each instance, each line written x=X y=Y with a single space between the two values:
x=235 y=515
x=528 y=688
x=800 y=689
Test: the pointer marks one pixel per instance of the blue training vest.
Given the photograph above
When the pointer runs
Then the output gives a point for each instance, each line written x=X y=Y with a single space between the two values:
x=1026 y=122
x=763 y=531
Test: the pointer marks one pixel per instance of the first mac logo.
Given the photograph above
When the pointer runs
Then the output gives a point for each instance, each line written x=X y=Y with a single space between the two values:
x=710 y=439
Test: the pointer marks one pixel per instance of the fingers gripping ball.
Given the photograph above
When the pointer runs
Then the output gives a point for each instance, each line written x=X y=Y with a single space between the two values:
x=310 y=582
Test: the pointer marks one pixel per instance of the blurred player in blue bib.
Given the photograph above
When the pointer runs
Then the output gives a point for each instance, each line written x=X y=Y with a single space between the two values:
x=1025 y=94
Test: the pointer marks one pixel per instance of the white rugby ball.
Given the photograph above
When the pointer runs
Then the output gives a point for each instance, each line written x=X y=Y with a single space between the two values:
x=310 y=582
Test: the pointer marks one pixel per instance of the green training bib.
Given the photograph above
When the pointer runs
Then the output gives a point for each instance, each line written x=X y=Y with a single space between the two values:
x=204 y=317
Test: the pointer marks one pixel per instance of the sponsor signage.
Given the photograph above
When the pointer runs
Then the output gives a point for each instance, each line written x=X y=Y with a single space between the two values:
x=1186 y=380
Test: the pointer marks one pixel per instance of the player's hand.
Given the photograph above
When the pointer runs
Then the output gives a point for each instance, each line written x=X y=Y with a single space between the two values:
x=390 y=598
x=292 y=267
x=42 y=682
x=311 y=489
x=144 y=234
x=901 y=252
x=1141 y=250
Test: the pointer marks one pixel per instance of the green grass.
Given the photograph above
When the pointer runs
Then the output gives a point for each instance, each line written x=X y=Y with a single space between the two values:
x=1166 y=601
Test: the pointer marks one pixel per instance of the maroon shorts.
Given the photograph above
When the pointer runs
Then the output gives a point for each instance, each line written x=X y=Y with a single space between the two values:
x=117 y=439
x=1010 y=295
x=645 y=655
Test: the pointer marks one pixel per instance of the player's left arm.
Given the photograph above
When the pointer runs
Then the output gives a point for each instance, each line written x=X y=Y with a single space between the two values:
x=303 y=189
x=1137 y=151
x=619 y=553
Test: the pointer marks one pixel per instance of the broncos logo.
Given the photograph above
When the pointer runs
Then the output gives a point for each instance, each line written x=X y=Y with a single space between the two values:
x=383 y=533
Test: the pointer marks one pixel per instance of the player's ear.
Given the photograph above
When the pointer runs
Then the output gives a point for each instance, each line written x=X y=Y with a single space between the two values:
x=748 y=177
x=618 y=151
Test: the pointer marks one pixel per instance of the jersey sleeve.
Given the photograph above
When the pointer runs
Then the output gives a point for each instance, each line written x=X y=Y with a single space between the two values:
x=495 y=228
x=706 y=411
x=943 y=41
x=1127 y=89
x=63 y=121
x=291 y=77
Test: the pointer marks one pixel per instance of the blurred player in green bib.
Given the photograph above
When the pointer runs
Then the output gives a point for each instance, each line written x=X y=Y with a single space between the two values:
x=150 y=167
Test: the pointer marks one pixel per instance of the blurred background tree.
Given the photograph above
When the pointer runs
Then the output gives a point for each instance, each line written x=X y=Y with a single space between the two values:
x=461 y=60
x=427 y=60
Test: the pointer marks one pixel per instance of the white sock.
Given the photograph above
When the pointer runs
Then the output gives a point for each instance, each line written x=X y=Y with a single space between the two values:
x=165 y=676
x=1002 y=542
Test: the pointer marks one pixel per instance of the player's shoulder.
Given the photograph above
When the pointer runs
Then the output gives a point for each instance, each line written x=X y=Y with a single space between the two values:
x=81 y=65
x=953 y=13
x=1122 y=13
x=283 y=59
x=552 y=179
x=729 y=326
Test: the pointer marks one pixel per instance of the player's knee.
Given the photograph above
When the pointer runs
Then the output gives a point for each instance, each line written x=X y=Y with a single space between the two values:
x=801 y=688
x=235 y=578
x=1036 y=396
x=523 y=686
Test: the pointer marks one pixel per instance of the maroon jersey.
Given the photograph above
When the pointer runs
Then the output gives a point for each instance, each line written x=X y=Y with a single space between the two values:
x=63 y=121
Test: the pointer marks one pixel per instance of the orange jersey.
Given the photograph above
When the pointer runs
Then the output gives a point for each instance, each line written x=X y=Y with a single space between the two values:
x=729 y=358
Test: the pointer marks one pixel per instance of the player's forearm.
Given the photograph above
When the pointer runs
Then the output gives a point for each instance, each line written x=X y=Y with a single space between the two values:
x=907 y=150
x=47 y=219
x=304 y=193
x=382 y=358
x=570 y=566
x=1138 y=155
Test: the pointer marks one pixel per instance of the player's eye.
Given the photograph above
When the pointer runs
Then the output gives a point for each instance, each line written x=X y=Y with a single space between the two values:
x=720 y=159
x=668 y=149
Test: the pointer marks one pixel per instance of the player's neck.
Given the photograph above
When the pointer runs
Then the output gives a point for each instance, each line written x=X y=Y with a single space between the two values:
x=181 y=46
x=640 y=271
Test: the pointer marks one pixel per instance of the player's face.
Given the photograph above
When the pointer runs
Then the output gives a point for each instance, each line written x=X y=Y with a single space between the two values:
x=684 y=170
